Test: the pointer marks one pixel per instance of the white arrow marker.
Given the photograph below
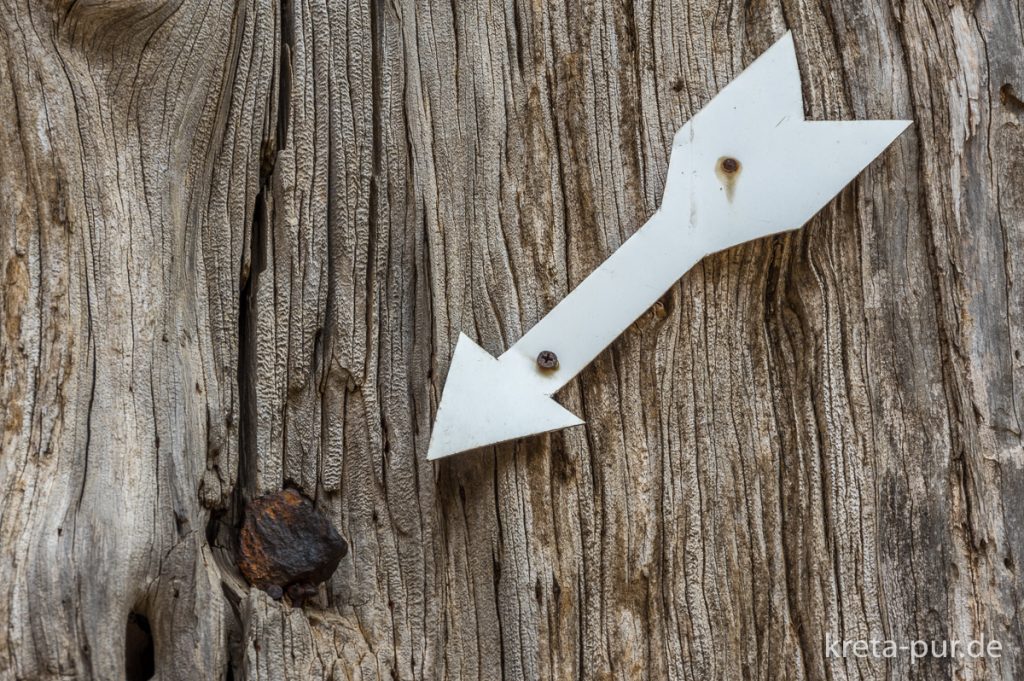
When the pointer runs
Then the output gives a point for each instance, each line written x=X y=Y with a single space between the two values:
x=746 y=166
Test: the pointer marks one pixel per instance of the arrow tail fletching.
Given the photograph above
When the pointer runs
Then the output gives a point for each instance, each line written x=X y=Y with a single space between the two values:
x=749 y=165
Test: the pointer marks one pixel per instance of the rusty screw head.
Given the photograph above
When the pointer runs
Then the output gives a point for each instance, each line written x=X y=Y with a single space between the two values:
x=730 y=165
x=547 y=360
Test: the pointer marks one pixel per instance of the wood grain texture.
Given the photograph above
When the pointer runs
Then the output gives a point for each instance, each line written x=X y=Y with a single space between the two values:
x=238 y=244
x=130 y=149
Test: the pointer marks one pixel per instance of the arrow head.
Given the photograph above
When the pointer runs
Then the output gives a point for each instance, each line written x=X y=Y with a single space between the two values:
x=486 y=401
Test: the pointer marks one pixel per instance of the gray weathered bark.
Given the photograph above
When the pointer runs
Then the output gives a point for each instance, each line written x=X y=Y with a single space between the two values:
x=237 y=245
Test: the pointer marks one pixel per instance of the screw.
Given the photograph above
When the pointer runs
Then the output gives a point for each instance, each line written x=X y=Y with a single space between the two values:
x=547 y=360
x=275 y=592
x=730 y=165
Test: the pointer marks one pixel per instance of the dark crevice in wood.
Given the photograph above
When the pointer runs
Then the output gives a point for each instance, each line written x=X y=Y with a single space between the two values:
x=246 y=482
x=245 y=485
x=377 y=105
x=517 y=27
x=284 y=84
x=139 y=650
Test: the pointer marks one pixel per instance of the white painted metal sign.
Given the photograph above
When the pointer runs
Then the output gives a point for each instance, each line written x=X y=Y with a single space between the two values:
x=746 y=166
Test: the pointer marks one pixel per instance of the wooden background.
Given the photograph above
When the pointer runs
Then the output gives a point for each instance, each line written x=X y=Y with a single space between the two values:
x=238 y=242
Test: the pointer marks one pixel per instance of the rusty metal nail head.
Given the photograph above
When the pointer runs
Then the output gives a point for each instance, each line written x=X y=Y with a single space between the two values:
x=547 y=360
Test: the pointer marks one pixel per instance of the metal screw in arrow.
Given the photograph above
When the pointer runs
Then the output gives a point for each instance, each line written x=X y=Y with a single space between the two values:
x=547 y=360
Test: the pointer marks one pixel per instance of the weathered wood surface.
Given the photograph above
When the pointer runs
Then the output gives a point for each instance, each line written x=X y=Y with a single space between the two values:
x=238 y=243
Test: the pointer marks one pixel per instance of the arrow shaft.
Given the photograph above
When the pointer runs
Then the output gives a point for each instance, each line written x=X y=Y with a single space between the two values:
x=611 y=298
x=746 y=166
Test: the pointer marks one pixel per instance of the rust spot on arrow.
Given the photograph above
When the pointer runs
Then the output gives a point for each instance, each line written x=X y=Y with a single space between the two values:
x=728 y=170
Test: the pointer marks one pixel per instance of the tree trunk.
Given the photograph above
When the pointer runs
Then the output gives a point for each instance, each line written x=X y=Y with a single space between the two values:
x=239 y=243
